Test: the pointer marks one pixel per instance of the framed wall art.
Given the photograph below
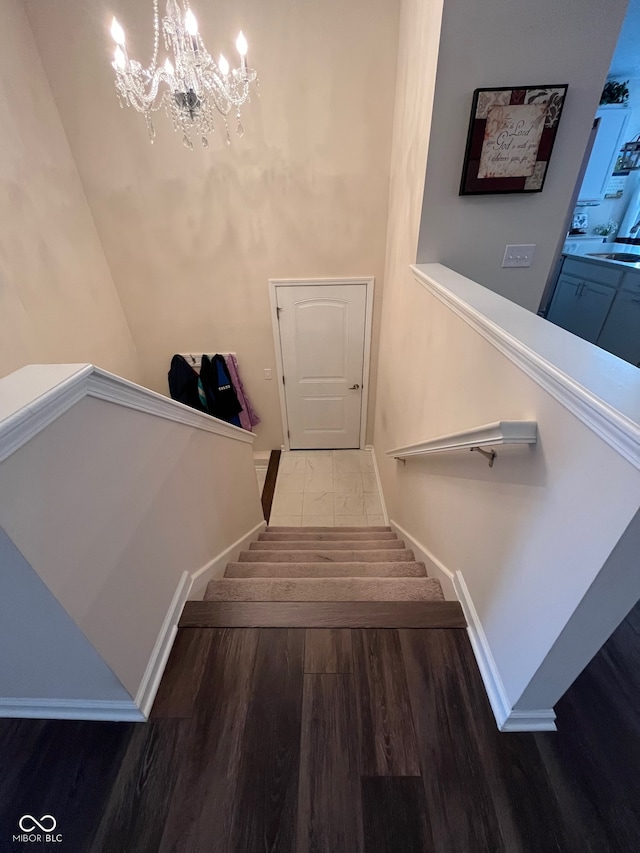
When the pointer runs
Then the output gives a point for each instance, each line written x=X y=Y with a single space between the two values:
x=510 y=140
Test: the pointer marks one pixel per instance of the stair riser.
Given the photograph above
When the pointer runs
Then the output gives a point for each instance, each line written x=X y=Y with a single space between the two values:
x=308 y=529
x=321 y=589
x=321 y=555
x=305 y=545
x=324 y=537
x=319 y=570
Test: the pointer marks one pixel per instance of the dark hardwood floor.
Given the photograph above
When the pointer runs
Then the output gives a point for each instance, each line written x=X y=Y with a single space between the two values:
x=336 y=741
x=269 y=488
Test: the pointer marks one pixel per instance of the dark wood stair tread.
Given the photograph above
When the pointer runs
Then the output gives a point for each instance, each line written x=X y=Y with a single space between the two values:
x=321 y=614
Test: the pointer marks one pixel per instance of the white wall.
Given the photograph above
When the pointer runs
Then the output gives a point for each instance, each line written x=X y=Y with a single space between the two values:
x=531 y=534
x=415 y=83
x=57 y=298
x=193 y=237
x=605 y=604
x=111 y=507
x=44 y=654
x=509 y=43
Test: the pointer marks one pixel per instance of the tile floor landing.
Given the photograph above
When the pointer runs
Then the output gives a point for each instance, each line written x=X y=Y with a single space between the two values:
x=326 y=488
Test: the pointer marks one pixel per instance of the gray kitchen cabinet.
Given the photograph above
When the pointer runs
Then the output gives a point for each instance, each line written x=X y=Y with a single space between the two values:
x=620 y=334
x=583 y=296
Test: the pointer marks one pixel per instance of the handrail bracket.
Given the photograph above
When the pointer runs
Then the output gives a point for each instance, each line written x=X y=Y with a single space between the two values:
x=488 y=454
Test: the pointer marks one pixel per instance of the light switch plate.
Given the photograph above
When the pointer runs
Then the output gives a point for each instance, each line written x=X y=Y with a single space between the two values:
x=518 y=256
x=267 y=373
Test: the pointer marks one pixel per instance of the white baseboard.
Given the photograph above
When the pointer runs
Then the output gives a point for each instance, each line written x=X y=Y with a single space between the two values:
x=131 y=710
x=215 y=567
x=71 y=709
x=160 y=654
x=261 y=459
x=435 y=568
x=378 y=481
x=138 y=709
x=507 y=718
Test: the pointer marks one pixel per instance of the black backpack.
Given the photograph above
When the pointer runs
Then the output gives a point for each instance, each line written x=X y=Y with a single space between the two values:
x=222 y=401
x=183 y=383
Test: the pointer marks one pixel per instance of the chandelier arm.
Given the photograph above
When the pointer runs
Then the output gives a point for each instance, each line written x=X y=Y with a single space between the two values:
x=156 y=36
x=196 y=86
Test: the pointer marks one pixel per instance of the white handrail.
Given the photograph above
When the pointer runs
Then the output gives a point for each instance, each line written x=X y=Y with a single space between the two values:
x=38 y=394
x=488 y=435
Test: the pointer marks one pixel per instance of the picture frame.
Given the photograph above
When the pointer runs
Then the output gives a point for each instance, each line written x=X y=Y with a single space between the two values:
x=512 y=130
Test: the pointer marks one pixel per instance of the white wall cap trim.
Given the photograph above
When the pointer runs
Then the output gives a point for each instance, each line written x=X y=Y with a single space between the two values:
x=507 y=719
x=38 y=394
x=488 y=435
x=598 y=388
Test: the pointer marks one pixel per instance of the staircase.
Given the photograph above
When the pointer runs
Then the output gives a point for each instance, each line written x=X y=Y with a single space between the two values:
x=324 y=577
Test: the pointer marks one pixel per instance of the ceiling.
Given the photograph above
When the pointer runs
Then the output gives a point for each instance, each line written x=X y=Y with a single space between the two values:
x=626 y=59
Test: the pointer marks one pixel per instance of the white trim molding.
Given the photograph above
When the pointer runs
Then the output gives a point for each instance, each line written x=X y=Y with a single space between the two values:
x=507 y=718
x=162 y=648
x=435 y=568
x=215 y=567
x=598 y=388
x=38 y=394
x=72 y=709
x=369 y=283
x=488 y=435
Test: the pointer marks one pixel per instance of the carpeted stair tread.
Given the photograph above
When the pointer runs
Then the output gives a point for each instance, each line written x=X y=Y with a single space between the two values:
x=341 y=545
x=324 y=589
x=328 y=555
x=335 y=536
x=325 y=569
x=312 y=529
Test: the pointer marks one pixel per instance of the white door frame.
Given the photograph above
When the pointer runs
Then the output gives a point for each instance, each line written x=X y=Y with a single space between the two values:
x=368 y=281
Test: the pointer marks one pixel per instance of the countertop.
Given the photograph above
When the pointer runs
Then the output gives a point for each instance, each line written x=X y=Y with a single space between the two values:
x=607 y=262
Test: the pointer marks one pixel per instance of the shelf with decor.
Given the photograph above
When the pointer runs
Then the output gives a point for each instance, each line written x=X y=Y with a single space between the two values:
x=611 y=136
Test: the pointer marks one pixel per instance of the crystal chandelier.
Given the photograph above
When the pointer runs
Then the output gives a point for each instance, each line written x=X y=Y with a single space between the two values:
x=192 y=87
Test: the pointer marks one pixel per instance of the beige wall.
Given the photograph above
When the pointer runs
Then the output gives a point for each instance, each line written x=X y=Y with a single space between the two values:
x=193 y=237
x=511 y=529
x=529 y=535
x=57 y=298
x=110 y=506
x=506 y=43
x=399 y=374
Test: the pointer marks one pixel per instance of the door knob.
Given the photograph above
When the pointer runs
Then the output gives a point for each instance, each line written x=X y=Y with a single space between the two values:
x=354 y=387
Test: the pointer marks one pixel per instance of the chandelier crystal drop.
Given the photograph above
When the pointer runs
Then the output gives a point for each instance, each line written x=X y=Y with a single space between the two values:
x=190 y=85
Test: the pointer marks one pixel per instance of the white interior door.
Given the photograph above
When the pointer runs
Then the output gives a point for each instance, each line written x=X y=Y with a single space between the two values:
x=322 y=342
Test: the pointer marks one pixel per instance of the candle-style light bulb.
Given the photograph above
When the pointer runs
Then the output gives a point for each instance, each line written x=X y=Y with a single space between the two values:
x=241 y=44
x=117 y=33
x=168 y=67
x=223 y=65
x=119 y=60
x=190 y=23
